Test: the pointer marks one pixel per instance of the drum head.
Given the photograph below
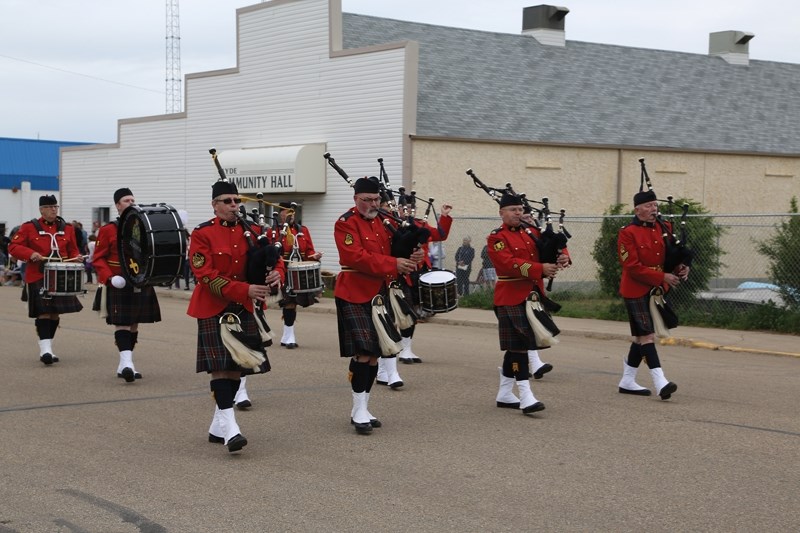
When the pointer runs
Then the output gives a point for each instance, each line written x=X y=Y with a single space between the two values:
x=435 y=277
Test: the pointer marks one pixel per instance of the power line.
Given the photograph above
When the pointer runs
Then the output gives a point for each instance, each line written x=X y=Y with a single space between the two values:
x=81 y=74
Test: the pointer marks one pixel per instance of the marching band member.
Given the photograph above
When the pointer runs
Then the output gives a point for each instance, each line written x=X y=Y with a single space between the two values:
x=36 y=242
x=125 y=306
x=300 y=236
x=229 y=341
x=512 y=250
x=364 y=247
x=641 y=252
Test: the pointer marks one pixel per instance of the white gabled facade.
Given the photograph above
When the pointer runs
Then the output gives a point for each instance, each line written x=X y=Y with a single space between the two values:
x=292 y=86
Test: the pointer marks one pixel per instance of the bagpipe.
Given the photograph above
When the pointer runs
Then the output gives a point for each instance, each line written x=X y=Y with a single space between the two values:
x=676 y=249
x=549 y=243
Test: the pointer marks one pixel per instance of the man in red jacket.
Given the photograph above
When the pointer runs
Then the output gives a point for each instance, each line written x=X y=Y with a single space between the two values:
x=364 y=246
x=512 y=250
x=36 y=242
x=229 y=340
x=641 y=252
x=125 y=306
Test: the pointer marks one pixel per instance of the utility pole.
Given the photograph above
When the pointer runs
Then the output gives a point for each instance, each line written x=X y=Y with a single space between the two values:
x=173 y=58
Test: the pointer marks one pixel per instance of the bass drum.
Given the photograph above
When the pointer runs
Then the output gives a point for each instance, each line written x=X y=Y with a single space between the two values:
x=152 y=244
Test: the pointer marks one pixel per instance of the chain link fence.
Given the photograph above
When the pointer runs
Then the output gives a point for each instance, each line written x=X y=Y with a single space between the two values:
x=742 y=278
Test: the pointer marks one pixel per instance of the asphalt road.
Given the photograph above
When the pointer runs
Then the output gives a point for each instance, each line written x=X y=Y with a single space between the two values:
x=82 y=451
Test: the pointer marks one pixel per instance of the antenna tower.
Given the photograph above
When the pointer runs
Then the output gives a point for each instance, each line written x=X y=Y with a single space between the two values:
x=173 y=58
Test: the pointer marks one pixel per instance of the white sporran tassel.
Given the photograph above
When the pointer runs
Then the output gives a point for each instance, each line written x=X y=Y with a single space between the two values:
x=401 y=319
x=388 y=336
x=103 y=302
x=244 y=356
x=544 y=337
x=656 y=300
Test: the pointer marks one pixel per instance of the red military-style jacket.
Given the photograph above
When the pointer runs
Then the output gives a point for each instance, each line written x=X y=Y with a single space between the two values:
x=515 y=257
x=106 y=254
x=304 y=242
x=28 y=240
x=218 y=256
x=641 y=252
x=365 y=256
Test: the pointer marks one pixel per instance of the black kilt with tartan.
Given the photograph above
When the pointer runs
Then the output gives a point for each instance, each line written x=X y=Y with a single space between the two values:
x=639 y=316
x=212 y=356
x=516 y=334
x=357 y=333
x=127 y=306
x=39 y=304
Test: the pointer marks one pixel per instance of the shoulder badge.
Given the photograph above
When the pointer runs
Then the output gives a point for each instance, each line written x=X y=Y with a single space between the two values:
x=348 y=239
x=198 y=260
x=499 y=245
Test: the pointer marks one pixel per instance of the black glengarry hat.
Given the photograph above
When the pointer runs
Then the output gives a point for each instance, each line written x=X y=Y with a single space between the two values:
x=119 y=194
x=223 y=187
x=47 y=199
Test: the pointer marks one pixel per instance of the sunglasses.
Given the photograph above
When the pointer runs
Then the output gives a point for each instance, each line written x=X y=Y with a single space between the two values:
x=229 y=201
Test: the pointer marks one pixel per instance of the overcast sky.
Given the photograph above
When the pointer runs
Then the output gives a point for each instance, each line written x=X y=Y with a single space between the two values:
x=69 y=69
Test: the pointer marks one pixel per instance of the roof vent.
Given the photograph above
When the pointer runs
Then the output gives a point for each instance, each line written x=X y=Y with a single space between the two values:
x=545 y=24
x=732 y=46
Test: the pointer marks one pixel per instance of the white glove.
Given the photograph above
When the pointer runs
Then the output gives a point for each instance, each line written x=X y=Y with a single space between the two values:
x=118 y=282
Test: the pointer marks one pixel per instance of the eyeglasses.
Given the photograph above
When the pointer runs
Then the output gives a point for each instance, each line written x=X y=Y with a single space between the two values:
x=228 y=201
x=377 y=199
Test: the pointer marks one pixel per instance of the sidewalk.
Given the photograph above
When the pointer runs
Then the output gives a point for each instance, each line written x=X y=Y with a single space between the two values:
x=705 y=338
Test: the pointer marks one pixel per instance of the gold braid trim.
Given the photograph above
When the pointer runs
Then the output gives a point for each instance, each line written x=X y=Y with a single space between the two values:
x=217 y=284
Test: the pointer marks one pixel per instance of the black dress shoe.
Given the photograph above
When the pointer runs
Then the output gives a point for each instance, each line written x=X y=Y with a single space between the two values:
x=290 y=345
x=406 y=360
x=416 y=359
x=137 y=375
x=363 y=429
x=46 y=358
x=667 y=391
x=236 y=443
x=379 y=382
x=395 y=385
x=542 y=370
x=244 y=405
x=128 y=375
x=374 y=422
x=55 y=359
x=538 y=406
x=508 y=405
x=215 y=440
x=639 y=392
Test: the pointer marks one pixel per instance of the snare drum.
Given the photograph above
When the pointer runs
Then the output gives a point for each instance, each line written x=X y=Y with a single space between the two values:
x=152 y=244
x=303 y=276
x=437 y=291
x=62 y=279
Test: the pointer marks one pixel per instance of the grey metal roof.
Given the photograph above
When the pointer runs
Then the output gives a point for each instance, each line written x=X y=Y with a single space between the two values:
x=495 y=86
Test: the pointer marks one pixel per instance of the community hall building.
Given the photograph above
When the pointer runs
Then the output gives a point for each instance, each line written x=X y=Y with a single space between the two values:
x=555 y=117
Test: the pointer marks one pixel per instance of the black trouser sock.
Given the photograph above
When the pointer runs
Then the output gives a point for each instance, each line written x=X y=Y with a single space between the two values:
x=360 y=376
x=289 y=316
x=223 y=392
x=650 y=355
x=515 y=365
x=123 y=340
x=408 y=332
x=134 y=339
x=634 y=356
x=373 y=373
